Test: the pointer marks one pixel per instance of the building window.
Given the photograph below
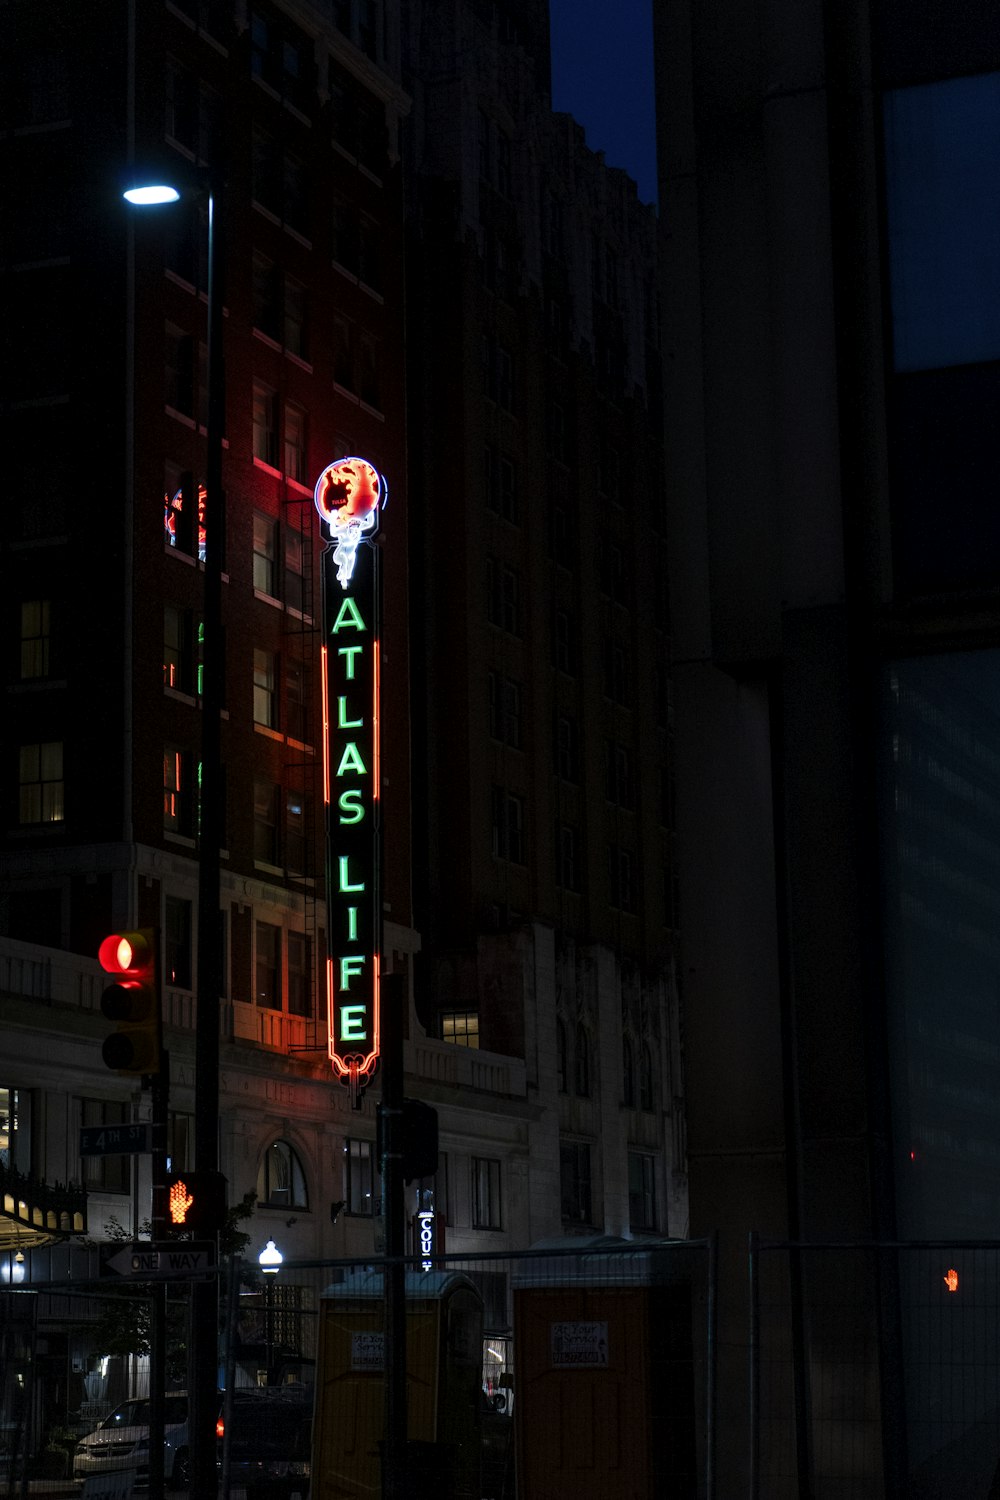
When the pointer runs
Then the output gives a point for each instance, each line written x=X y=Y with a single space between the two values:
x=616 y=672
x=618 y=779
x=265 y=822
x=621 y=878
x=15 y=1129
x=41 y=789
x=265 y=688
x=582 y=1062
x=265 y=424
x=180 y=1142
x=299 y=974
x=646 y=1079
x=486 y=1208
x=562 y=1056
x=641 y=1191
x=359 y=1195
x=178 y=649
x=36 y=639
x=567 y=857
x=107 y=1174
x=296 y=702
x=343 y=353
x=178 y=791
x=177 y=942
x=296 y=827
x=503 y=164
x=266 y=296
x=267 y=986
x=507 y=826
x=295 y=579
x=369 y=371
x=296 y=461
x=294 y=320
x=563 y=642
x=460 y=1027
x=574 y=1182
x=502 y=596
x=281 y=1182
x=505 y=710
x=566 y=749
x=179 y=370
x=628 y=1074
x=265 y=554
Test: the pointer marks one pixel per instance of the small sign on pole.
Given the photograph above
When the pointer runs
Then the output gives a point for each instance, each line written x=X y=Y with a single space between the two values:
x=115 y=1140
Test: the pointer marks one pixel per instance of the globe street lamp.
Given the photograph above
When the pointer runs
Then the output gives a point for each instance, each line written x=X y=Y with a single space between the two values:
x=269 y=1260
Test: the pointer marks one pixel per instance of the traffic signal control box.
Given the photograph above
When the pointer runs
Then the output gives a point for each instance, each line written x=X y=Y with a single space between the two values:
x=132 y=1001
x=195 y=1202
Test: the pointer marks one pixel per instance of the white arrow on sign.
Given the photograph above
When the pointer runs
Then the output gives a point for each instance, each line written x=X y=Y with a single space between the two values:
x=152 y=1262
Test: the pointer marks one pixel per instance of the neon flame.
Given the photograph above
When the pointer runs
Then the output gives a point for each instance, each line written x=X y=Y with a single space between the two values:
x=951 y=1280
x=349 y=495
x=325 y=687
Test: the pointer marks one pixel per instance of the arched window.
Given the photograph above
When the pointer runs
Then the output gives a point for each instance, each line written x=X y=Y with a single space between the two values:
x=561 y=1056
x=628 y=1074
x=281 y=1182
x=646 y=1079
x=582 y=1063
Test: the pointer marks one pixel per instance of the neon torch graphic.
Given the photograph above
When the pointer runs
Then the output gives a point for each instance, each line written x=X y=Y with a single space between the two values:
x=349 y=495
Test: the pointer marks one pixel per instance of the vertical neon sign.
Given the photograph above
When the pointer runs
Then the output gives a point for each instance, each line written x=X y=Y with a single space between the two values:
x=350 y=495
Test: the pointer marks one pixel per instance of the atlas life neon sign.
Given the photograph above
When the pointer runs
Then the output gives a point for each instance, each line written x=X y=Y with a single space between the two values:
x=349 y=496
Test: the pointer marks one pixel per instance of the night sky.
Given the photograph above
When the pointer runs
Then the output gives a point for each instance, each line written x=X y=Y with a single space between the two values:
x=602 y=74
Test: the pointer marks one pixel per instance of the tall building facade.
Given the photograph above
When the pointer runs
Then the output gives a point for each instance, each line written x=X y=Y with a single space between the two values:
x=481 y=328
x=830 y=291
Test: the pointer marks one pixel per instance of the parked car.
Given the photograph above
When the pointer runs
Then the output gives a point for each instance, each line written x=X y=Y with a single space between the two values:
x=270 y=1444
x=121 y=1441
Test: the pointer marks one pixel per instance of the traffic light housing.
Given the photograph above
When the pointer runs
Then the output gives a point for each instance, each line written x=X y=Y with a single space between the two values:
x=419 y=1136
x=195 y=1202
x=132 y=1002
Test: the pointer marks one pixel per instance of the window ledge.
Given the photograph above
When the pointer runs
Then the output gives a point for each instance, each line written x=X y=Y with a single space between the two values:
x=179 y=838
x=260 y=864
x=179 y=697
x=268 y=599
x=259 y=463
x=268 y=732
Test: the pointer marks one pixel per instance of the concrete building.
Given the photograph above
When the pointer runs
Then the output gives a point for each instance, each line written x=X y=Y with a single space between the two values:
x=830 y=347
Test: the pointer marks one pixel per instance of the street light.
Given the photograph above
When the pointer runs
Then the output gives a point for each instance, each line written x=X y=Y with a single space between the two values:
x=269 y=1260
x=204 y=1294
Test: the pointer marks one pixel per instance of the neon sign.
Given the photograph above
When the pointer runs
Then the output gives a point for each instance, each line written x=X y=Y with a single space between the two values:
x=349 y=496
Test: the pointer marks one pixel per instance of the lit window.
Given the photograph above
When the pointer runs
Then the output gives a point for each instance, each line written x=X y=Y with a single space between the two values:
x=265 y=688
x=178 y=791
x=178 y=657
x=36 y=638
x=460 y=1027
x=41 y=782
x=281 y=1182
x=267 y=971
x=359 y=1178
x=265 y=554
x=486 y=1207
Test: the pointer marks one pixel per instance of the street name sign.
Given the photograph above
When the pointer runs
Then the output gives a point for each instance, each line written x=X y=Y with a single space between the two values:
x=190 y=1260
x=115 y=1140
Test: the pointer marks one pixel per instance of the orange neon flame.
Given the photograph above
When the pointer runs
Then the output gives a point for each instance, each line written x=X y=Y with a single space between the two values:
x=326 y=724
x=951 y=1280
x=376 y=722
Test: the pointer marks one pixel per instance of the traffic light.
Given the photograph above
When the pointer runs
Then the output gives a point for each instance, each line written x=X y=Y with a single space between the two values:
x=419 y=1129
x=195 y=1202
x=132 y=1002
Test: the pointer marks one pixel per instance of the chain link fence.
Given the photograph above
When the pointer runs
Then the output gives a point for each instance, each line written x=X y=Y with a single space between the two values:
x=583 y=1372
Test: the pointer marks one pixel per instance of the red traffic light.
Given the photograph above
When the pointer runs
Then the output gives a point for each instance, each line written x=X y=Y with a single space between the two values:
x=133 y=1002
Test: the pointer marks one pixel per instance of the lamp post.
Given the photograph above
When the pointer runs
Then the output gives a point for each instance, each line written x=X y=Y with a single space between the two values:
x=203 y=1371
x=269 y=1260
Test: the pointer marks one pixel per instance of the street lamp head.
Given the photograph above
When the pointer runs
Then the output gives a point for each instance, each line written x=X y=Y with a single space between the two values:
x=270 y=1259
x=146 y=194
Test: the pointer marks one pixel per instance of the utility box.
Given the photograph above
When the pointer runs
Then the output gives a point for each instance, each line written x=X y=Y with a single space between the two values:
x=444 y=1332
x=604 y=1374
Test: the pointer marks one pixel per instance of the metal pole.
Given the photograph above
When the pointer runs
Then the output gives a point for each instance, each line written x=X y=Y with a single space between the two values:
x=160 y=1093
x=391 y=1109
x=754 y=1271
x=204 y=1295
x=232 y=1313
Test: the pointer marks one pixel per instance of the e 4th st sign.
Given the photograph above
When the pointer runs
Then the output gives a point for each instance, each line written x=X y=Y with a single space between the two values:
x=191 y=1261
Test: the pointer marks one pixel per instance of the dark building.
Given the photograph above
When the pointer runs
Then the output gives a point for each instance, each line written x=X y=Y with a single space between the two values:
x=511 y=400
x=830 y=281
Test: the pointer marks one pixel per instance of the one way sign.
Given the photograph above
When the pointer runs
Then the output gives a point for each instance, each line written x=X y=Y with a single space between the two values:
x=192 y=1260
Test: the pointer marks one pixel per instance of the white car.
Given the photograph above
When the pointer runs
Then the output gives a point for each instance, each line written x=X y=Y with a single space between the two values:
x=122 y=1440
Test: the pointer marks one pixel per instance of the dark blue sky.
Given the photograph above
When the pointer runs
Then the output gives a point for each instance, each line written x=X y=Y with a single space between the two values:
x=602 y=74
